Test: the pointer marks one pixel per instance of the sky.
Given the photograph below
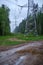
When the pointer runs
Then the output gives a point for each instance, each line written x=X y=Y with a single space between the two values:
x=16 y=13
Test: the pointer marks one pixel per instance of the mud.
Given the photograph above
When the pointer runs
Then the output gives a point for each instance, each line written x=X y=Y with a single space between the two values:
x=30 y=54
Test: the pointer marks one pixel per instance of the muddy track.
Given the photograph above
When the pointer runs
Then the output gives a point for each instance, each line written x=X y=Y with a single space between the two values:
x=18 y=56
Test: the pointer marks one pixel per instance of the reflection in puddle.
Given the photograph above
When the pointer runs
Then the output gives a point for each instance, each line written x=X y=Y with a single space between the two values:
x=20 y=60
x=6 y=64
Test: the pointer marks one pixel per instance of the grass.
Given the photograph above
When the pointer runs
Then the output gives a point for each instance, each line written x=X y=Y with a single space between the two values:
x=5 y=42
x=9 y=43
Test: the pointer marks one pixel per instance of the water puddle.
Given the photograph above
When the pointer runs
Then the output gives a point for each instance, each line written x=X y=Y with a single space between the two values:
x=20 y=60
x=6 y=64
x=6 y=54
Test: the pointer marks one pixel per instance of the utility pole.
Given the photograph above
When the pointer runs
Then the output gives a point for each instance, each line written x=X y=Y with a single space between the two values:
x=28 y=23
x=26 y=27
x=16 y=1
x=35 y=8
x=15 y=21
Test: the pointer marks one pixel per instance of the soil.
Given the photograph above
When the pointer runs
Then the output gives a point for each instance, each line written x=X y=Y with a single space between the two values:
x=24 y=54
x=4 y=48
x=15 y=39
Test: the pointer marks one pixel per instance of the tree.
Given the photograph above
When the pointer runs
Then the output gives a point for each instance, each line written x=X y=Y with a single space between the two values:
x=16 y=29
x=4 y=20
x=40 y=23
x=21 y=27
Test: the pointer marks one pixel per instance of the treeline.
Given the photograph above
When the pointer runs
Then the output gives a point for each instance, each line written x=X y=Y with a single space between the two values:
x=4 y=20
x=40 y=23
x=21 y=27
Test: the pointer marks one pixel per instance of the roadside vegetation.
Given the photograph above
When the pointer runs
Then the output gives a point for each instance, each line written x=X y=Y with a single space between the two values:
x=18 y=36
x=16 y=39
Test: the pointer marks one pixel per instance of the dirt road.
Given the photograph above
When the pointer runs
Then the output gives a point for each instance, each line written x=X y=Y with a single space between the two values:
x=25 y=55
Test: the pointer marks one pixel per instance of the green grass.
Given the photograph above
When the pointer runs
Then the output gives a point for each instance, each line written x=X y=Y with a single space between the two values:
x=28 y=37
x=5 y=42
x=9 y=43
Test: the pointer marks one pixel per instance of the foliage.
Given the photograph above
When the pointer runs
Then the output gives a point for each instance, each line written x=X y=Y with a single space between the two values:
x=4 y=40
x=21 y=27
x=4 y=20
x=40 y=23
x=16 y=29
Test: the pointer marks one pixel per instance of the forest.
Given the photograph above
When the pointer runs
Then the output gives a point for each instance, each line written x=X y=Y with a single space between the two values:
x=4 y=20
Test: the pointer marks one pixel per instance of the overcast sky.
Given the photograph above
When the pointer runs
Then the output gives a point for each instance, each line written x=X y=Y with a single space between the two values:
x=15 y=11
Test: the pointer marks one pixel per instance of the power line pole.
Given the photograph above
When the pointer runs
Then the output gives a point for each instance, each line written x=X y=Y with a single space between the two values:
x=28 y=23
x=35 y=9
x=16 y=1
x=26 y=27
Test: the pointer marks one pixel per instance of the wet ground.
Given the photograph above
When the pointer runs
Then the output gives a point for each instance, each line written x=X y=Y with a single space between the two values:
x=30 y=54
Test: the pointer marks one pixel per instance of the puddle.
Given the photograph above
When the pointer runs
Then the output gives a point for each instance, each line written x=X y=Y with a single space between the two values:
x=20 y=60
x=6 y=64
x=6 y=54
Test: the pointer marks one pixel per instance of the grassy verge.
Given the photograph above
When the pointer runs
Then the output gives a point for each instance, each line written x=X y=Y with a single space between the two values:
x=9 y=43
x=5 y=42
